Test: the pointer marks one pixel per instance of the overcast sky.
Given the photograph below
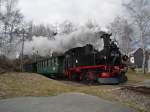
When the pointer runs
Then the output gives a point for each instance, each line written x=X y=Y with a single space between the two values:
x=77 y=11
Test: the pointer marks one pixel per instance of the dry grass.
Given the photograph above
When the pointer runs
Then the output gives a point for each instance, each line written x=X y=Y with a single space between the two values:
x=137 y=77
x=29 y=84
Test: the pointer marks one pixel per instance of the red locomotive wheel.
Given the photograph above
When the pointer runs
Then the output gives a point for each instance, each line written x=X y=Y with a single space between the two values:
x=106 y=75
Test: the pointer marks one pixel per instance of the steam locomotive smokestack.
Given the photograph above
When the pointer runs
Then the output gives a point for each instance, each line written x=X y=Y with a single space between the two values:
x=106 y=39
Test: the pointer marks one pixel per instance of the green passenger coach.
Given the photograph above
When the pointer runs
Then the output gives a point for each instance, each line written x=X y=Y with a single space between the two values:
x=51 y=67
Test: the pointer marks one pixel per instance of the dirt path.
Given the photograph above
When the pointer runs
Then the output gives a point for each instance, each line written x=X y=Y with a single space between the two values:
x=70 y=102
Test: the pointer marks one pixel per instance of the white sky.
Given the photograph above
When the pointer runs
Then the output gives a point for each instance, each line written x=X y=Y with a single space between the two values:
x=77 y=11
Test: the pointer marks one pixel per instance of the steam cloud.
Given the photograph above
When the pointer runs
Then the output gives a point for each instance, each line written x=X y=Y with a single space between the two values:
x=78 y=38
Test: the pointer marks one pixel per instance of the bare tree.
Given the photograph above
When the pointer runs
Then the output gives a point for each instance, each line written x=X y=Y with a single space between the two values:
x=44 y=30
x=11 y=19
x=139 y=10
x=91 y=24
x=25 y=33
x=67 y=27
x=122 y=31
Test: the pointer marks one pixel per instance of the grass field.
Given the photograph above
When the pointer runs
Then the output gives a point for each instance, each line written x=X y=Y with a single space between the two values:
x=137 y=77
x=30 y=84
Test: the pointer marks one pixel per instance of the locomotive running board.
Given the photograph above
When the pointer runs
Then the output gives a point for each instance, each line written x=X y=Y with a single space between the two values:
x=108 y=80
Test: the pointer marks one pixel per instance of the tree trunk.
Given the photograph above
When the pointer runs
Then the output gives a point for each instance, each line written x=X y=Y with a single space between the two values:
x=22 y=52
x=143 y=48
x=144 y=60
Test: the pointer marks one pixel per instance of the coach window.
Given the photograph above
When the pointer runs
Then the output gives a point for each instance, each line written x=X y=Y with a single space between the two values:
x=46 y=63
x=49 y=62
x=52 y=61
x=43 y=63
x=56 y=61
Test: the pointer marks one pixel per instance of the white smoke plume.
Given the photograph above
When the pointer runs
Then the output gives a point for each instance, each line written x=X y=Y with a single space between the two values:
x=63 y=42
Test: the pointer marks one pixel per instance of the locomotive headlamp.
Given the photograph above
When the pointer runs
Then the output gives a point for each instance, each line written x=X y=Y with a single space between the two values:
x=132 y=60
x=76 y=61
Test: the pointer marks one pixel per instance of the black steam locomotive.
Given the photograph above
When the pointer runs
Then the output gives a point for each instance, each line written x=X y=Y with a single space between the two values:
x=86 y=64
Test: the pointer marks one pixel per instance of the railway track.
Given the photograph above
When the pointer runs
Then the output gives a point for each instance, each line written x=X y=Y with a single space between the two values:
x=139 y=88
